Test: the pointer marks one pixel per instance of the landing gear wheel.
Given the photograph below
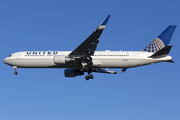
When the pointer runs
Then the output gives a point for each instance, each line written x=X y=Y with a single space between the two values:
x=15 y=72
x=91 y=76
x=87 y=77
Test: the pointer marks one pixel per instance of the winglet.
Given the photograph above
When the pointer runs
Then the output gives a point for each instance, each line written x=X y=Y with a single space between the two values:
x=104 y=22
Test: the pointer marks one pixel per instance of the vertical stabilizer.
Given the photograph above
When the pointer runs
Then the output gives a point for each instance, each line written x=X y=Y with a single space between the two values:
x=161 y=41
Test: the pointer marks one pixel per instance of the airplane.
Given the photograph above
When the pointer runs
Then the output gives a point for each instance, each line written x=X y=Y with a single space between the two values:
x=85 y=58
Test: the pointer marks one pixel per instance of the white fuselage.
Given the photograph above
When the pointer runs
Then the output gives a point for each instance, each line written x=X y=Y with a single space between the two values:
x=101 y=59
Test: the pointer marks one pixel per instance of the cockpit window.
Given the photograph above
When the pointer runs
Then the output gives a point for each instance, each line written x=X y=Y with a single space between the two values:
x=9 y=56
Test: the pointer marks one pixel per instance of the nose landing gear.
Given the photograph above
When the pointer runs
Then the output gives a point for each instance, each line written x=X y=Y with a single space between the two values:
x=15 y=70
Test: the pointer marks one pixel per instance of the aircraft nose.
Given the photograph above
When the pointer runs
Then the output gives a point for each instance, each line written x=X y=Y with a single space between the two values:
x=6 y=60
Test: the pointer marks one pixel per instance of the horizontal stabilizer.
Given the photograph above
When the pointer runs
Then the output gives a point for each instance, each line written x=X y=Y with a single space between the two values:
x=162 y=53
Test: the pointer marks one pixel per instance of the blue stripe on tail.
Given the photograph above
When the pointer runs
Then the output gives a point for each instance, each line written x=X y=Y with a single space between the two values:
x=166 y=35
x=162 y=40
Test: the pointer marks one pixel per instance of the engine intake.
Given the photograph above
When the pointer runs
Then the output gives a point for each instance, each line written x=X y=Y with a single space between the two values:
x=72 y=72
x=62 y=59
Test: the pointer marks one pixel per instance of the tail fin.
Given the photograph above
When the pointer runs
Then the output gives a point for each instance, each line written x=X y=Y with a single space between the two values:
x=161 y=41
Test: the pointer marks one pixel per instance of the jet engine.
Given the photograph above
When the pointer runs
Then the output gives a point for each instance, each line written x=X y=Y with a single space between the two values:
x=62 y=59
x=72 y=72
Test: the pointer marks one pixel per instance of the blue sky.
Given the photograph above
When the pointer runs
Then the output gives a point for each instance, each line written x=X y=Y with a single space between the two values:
x=145 y=93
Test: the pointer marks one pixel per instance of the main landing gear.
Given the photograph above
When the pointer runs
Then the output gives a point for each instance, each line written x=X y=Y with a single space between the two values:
x=86 y=66
x=89 y=76
x=15 y=70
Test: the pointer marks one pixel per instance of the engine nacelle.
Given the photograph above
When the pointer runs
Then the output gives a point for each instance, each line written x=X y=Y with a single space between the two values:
x=61 y=59
x=72 y=72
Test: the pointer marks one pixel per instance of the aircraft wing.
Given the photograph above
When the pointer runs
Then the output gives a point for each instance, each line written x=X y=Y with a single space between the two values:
x=88 y=47
x=100 y=70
